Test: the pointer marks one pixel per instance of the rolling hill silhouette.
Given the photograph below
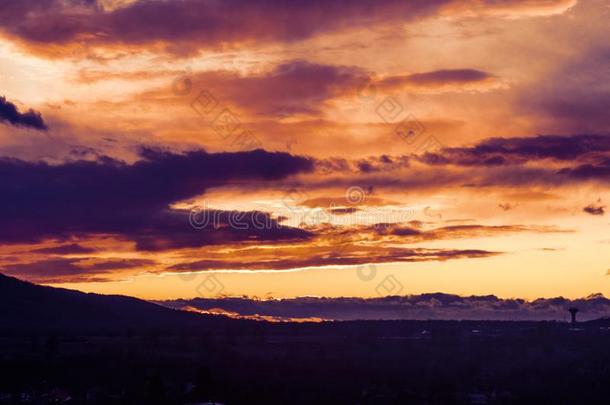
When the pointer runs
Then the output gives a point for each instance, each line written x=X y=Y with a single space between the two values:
x=30 y=308
x=27 y=308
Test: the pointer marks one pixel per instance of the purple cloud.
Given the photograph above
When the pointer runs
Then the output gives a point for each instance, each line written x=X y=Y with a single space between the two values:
x=188 y=25
x=132 y=200
x=11 y=115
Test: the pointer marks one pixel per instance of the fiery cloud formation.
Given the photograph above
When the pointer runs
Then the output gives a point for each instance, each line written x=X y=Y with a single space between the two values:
x=202 y=24
x=280 y=146
x=289 y=88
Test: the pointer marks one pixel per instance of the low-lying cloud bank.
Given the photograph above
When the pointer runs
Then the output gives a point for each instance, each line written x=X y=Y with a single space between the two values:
x=421 y=307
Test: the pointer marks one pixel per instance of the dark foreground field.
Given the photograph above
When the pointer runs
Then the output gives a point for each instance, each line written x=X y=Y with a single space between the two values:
x=177 y=358
x=371 y=362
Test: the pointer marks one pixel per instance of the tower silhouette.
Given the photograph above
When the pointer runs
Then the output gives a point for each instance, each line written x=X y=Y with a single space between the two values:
x=573 y=312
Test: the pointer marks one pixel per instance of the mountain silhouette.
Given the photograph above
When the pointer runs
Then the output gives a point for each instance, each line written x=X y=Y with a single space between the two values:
x=30 y=308
x=27 y=308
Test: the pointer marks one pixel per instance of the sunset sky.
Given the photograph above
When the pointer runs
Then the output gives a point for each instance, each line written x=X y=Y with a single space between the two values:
x=183 y=148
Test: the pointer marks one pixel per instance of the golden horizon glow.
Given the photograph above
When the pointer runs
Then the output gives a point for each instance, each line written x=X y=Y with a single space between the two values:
x=434 y=211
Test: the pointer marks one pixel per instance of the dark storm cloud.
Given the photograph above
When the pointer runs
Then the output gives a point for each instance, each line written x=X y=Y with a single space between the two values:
x=542 y=159
x=198 y=23
x=189 y=25
x=10 y=114
x=170 y=229
x=599 y=170
x=505 y=151
x=40 y=200
x=546 y=160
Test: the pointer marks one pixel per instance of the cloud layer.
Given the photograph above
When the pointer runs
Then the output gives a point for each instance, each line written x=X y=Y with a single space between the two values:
x=421 y=307
x=197 y=24
x=108 y=196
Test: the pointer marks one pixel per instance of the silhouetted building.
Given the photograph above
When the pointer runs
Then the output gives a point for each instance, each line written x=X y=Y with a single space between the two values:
x=573 y=312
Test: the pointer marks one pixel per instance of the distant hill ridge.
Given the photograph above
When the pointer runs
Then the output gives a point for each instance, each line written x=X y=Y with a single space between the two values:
x=26 y=307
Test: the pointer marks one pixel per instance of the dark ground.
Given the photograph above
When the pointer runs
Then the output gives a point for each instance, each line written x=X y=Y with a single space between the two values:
x=351 y=363
x=61 y=346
